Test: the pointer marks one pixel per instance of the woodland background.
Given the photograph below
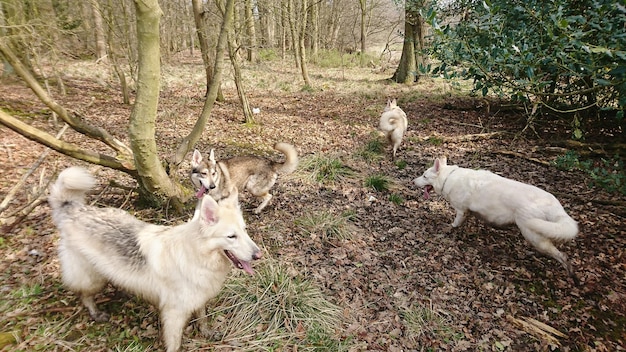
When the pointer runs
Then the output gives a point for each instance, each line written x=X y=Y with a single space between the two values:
x=356 y=259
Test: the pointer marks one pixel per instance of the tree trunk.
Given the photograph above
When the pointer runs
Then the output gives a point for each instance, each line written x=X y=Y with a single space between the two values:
x=407 y=71
x=155 y=184
x=301 y=47
x=241 y=93
x=101 y=49
x=250 y=31
x=291 y=15
x=199 y=16
x=192 y=138
x=315 y=31
x=363 y=8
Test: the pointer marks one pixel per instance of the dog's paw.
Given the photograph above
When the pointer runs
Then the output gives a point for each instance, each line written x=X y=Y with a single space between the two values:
x=100 y=317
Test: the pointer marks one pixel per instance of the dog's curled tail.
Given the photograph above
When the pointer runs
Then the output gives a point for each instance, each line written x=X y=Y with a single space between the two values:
x=561 y=230
x=70 y=187
x=291 y=158
x=392 y=119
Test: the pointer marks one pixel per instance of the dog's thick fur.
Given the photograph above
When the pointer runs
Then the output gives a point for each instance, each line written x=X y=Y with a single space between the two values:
x=176 y=268
x=253 y=173
x=501 y=201
x=393 y=123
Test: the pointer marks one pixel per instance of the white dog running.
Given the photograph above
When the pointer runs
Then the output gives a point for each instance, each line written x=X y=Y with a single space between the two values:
x=501 y=201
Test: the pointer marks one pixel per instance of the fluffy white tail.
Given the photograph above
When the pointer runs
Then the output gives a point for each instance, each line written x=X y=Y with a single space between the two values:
x=291 y=158
x=70 y=187
x=390 y=120
x=561 y=230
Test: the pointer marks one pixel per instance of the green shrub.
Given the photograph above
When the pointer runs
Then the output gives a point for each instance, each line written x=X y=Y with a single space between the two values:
x=609 y=175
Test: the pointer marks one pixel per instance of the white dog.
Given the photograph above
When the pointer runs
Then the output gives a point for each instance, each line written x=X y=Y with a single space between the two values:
x=393 y=123
x=501 y=201
x=176 y=268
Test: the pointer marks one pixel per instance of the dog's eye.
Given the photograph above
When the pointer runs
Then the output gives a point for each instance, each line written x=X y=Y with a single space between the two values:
x=204 y=173
x=233 y=236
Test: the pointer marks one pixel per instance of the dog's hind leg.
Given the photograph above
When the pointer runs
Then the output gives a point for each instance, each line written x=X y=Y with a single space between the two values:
x=79 y=276
x=266 y=199
x=546 y=247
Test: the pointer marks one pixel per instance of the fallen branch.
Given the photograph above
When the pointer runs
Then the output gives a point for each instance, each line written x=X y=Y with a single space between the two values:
x=463 y=138
x=537 y=329
x=591 y=149
x=522 y=156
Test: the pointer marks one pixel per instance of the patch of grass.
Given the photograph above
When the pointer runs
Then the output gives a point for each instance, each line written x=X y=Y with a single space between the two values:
x=424 y=322
x=396 y=199
x=134 y=346
x=326 y=225
x=268 y=54
x=335 y=59
x=401 y=164
x=273 y=310
x=435 y=141
x=373 y=150
x=308 y=89
x=379 y=183
x=325 y=168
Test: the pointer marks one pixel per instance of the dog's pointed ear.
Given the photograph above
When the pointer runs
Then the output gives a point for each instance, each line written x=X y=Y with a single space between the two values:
x=212 y=156
x=196 y=158
x=208 y=210
x=394 y=102
x=439 y=162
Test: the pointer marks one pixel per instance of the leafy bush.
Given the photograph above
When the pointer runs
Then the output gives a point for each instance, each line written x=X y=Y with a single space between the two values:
x=609 y=175
x=563 y=55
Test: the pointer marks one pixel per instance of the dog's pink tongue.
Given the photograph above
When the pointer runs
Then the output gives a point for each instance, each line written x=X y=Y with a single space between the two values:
x=247 y=267
x=201 y=192
x=426 y=194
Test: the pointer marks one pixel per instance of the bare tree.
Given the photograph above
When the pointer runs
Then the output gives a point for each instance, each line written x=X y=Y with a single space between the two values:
x=101 y=49
x=250 y=31
x=201 y=18
x=412 y=57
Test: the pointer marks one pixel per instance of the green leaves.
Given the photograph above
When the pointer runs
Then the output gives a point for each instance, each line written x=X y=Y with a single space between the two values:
x=562 y=53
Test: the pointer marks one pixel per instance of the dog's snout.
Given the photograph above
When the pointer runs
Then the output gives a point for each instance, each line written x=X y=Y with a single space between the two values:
x=257 y=255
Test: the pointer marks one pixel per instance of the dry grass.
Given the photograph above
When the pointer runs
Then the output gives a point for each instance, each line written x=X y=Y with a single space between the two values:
x=275 y=310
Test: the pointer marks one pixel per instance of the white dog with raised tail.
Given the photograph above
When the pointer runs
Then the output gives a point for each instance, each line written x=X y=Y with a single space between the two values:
x=393 y=123
x=176 y=268
x=501 y=201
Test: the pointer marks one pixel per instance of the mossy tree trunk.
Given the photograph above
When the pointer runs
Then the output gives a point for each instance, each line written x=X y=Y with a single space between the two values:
x=154 y=181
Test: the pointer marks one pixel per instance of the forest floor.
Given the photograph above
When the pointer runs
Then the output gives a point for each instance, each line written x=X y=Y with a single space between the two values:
x=479 y=288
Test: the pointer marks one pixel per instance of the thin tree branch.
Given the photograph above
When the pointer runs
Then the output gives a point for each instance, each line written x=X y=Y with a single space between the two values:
x=65 y=148
x=73 y=120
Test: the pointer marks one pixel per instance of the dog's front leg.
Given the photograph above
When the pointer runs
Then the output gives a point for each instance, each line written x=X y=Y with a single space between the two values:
x=174 y=321
x=460 y=218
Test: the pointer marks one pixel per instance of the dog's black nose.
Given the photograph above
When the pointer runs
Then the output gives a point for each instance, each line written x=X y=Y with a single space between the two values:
x=212 y=187
x=257 y=255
